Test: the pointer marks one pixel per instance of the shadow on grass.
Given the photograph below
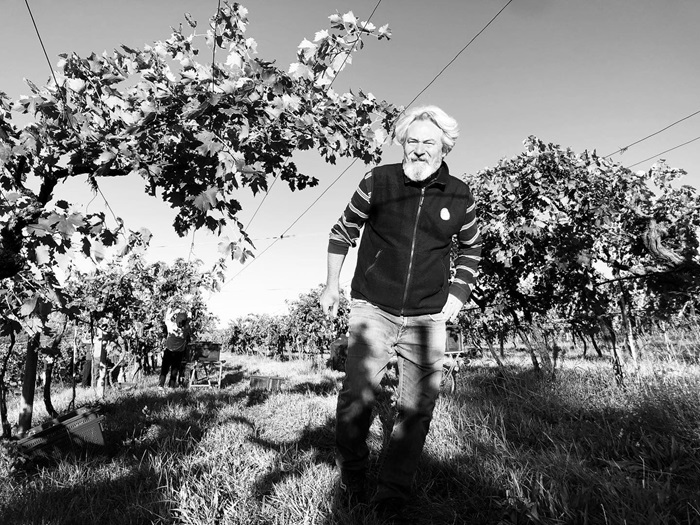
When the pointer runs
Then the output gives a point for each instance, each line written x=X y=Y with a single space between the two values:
x=232 y=377
x=554 y=439
x=580 y=449
x=314 y=446
x=323 y=388
x=133 y=498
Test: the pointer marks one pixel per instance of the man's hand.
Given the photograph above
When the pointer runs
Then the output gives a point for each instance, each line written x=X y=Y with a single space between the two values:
x=330 y=299
x=451 y=308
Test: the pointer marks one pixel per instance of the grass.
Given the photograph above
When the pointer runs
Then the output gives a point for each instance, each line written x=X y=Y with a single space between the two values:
x=506 y=448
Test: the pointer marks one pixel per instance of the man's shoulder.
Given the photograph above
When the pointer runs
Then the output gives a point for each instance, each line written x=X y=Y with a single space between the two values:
x=385 y=175
x=384 y=170
x=458 y=181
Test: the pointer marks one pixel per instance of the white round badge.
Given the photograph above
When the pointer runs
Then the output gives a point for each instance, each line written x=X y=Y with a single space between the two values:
x=445 y=214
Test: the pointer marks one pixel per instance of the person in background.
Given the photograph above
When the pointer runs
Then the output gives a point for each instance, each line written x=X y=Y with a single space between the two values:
x=95 y=355
x=87 y=364
x=402 y=295
x=178 y=335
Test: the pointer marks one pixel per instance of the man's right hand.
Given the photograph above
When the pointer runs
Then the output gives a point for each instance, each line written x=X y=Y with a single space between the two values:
x=330 y=299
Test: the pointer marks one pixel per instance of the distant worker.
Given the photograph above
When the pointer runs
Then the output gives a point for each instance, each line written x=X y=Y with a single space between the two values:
x=95 y=366
x=178 y=335
x=86 y=380
x=401 y=298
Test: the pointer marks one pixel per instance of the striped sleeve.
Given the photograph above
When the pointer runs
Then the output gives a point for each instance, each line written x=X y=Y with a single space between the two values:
x=468 y=255
x=346 y=231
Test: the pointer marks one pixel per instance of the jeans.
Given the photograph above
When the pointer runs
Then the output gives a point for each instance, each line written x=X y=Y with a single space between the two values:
x=172 y=361
x=376 y=337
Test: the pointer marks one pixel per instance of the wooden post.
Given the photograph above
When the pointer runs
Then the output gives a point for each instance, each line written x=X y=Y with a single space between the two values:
x=73 y=361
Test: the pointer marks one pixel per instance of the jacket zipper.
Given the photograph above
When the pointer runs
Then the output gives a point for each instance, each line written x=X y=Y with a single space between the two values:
x=413 y=249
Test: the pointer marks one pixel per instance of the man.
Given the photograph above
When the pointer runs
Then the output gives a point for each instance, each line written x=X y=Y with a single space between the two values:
x=402 y=297
x=178 y=335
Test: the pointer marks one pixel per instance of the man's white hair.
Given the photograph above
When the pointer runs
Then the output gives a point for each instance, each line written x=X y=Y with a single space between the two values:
x=448 y=125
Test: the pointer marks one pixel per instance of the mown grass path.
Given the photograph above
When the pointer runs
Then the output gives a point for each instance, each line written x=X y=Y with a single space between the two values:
x=506 y=448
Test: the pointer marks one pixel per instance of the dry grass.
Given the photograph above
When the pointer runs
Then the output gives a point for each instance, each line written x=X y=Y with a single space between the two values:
x=507 y=448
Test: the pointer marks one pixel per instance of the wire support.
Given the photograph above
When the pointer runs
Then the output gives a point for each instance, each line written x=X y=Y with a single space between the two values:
x=43 y=48
x=625 y=148
x=355 y=160
x=353 y=47
x=663 y=152
x=458 y=54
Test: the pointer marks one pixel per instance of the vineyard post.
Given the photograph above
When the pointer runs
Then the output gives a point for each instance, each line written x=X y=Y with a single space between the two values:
x=73 y=361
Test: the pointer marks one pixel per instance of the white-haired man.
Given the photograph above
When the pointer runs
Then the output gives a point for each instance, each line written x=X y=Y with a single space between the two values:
x=402 y=297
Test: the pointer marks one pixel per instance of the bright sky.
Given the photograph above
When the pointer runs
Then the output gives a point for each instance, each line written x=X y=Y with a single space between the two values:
x=593 y=74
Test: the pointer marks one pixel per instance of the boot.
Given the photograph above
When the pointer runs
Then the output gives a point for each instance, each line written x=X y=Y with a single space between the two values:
x=353 y=487
x=161 y=381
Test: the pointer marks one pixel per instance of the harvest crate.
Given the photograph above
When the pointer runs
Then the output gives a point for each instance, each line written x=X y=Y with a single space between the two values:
x=205 y=351
x=205 y=367
x=75 y=431
x=270 y=383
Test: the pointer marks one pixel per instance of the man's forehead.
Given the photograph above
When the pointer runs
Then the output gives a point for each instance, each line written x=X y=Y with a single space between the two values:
x=423 y=129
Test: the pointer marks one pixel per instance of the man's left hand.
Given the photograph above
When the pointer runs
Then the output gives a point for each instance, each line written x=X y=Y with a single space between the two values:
x=451 y=308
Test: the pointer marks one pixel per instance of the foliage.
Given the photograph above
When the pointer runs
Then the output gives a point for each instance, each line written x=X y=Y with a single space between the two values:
x=129 y=299
x=303 y=330
x=554 y=223
x=196 y=132
x=309 y=327
x=264 y=334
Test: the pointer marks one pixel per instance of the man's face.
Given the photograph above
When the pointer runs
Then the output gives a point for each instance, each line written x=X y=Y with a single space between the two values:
x=422 y=151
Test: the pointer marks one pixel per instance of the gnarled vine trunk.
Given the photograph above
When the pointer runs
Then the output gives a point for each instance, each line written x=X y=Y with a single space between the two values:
x=48 y=374
x=29 y=384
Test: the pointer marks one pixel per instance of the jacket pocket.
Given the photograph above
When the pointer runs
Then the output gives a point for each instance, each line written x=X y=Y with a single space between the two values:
x=430 y=281
x=384 y=278
x=374 y=264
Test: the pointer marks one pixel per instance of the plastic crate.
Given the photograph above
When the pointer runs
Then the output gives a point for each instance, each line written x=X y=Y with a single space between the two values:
x=270 y=383
x=75 y=431
x=455 y=340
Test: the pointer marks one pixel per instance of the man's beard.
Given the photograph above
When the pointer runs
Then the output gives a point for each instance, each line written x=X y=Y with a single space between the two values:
x=418 y=171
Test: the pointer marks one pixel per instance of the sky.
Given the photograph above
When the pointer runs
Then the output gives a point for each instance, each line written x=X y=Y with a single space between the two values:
x=589 y=75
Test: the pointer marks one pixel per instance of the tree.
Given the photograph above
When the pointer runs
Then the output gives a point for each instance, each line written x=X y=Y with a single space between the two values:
x=553 y=220
x=309 y=327
x=261 y=333
x=199 y=133
x=196 y=132
x=130 y=298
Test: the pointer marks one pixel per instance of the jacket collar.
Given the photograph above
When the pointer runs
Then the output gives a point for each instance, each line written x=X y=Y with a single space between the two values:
x=438 y=179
